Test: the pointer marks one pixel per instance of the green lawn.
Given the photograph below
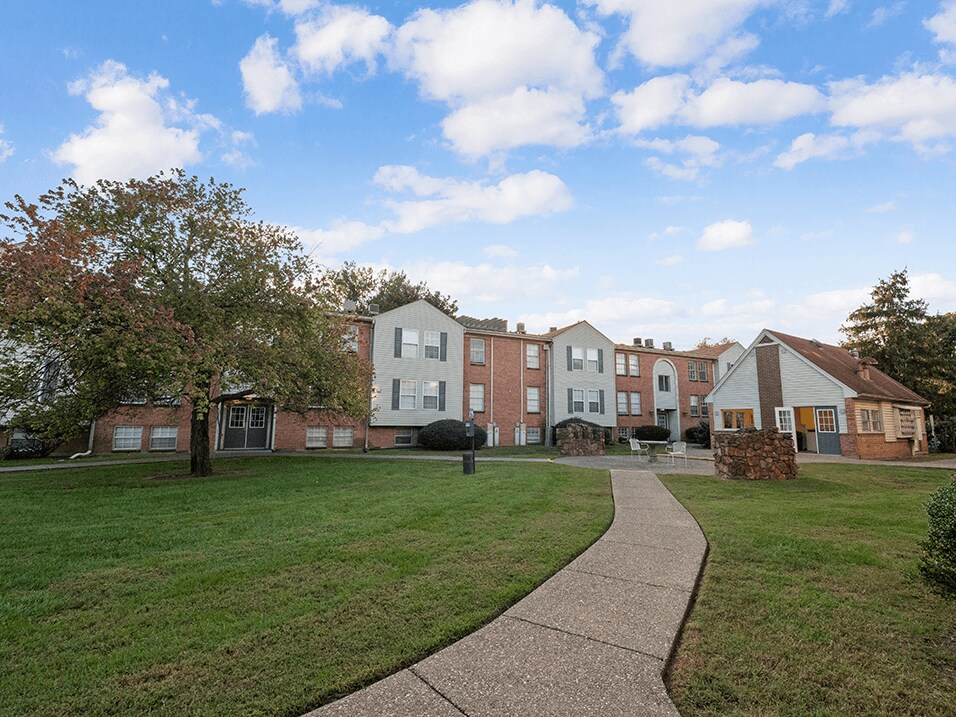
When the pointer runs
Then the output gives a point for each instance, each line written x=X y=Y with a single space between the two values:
x=809 y=604
x=270 y=588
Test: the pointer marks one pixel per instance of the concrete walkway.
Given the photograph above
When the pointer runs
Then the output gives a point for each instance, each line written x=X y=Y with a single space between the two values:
x=592 y=640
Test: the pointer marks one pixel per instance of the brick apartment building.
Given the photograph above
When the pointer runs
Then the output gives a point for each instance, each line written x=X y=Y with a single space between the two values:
x=428 y=366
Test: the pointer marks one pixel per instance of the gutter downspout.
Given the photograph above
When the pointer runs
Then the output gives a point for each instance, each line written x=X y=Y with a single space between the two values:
x=371 y=384
x=89 y=443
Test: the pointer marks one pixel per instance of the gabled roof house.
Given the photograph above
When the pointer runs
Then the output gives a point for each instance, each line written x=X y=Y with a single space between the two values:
x=831 y=400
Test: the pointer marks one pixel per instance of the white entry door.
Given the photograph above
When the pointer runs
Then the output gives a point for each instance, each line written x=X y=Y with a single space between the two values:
x=785 y=423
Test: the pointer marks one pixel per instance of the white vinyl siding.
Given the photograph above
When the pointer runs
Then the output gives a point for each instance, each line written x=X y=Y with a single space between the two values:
x=163 y=438
x=127 y=438
x=569 y=363
x=316 y=437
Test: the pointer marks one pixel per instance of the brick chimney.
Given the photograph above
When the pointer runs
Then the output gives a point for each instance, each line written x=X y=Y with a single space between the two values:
x=863 y=367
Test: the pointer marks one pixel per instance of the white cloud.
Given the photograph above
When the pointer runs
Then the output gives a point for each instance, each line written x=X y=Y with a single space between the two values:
x=699 y=153
x=534 y=193
x=810 y=146
x=671 y=260
x=881 y=208
x=6 y=147
x=339 y=36
x=837 y=7
x=728 y=102
x=724 y=310
x=443 y=200
x=936 y=289
x=268 y=80
x=288 y=7
x=344 y=235
x=512 y=73
x=133 y=135
x=728 y=234
x=620 y=314
x=885 y=12
x=920 y=109
x=525 y=117
x=491 y=282
x=905 y=237
x=943 y=24
x=817 y=236
x=236 y=156
x=501 y=251
x=679 y=32
x=651 y=104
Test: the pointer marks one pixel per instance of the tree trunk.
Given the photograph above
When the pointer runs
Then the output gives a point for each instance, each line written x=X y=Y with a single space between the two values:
x=200 y=464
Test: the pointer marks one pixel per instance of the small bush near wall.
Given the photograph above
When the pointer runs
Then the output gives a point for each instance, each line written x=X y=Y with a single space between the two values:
x=938 y=562
x=699 y=434
x=652 y=432
x=449 y=435
x=946 y=434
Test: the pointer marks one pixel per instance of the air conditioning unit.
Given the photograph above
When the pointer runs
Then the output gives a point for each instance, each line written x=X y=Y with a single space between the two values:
x=349 y=305
x=638 y=342
x=668 y=346
x=373 y=309
x=649 y=343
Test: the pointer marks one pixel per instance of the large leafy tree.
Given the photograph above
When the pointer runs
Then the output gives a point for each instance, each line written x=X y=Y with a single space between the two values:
x=162 y=287
x=386 y=289
x=912 y=346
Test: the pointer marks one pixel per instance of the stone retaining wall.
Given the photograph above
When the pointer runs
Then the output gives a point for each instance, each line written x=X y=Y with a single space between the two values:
x=580 y=441
x=751 y=454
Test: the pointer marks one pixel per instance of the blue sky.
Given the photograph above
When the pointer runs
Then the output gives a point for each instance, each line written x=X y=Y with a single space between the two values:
x=671 y=170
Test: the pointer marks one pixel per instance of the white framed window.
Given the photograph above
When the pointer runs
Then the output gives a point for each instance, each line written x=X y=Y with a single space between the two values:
x=430 y=394
x=534 y=435
x=701 y=371
x=620 y=364
x=694 y=405
x=691 y=370
x=406 y=399
x=316 y=437
x=409 y=343
x=476 y=351
x=635 y=403
x=593 y=360
x=133 y=400
x=404 y=436
x=167 y=401
x=163 y=438
x=351 y=338
x=237 y=416
x=623 y=433
x=622 y=403
x=664 y=384
x=577 y=358
x=704 y=407
x=594 y=401
x=432 y=344
x=127 y=438
x=871 y=421
x=534 y=399
x=577 y=400
x=634 y=364
x=533 y=353
x=476 y=397
x=257 y=417
x=343 y=436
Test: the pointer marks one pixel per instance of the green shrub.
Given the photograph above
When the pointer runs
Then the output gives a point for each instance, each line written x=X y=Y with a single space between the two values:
x=652 y=433
x=449 y=435
x=938 y=562
x=946 y=434
x=699 y=434
x=608 y=432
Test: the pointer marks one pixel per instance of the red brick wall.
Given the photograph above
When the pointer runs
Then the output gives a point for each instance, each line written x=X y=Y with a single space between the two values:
x=147 y=416
x=506 y=378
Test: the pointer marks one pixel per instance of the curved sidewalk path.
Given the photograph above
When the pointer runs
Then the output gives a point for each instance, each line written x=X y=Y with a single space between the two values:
x=593 y=640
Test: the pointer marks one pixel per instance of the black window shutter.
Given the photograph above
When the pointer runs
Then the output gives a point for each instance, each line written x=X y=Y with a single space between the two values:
x=396 y=390
x=441 y=394
x=570 y=400
x=602 y=401
x=601 y=365
x=443 y=347
x=398 y=342
x=570 y=360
